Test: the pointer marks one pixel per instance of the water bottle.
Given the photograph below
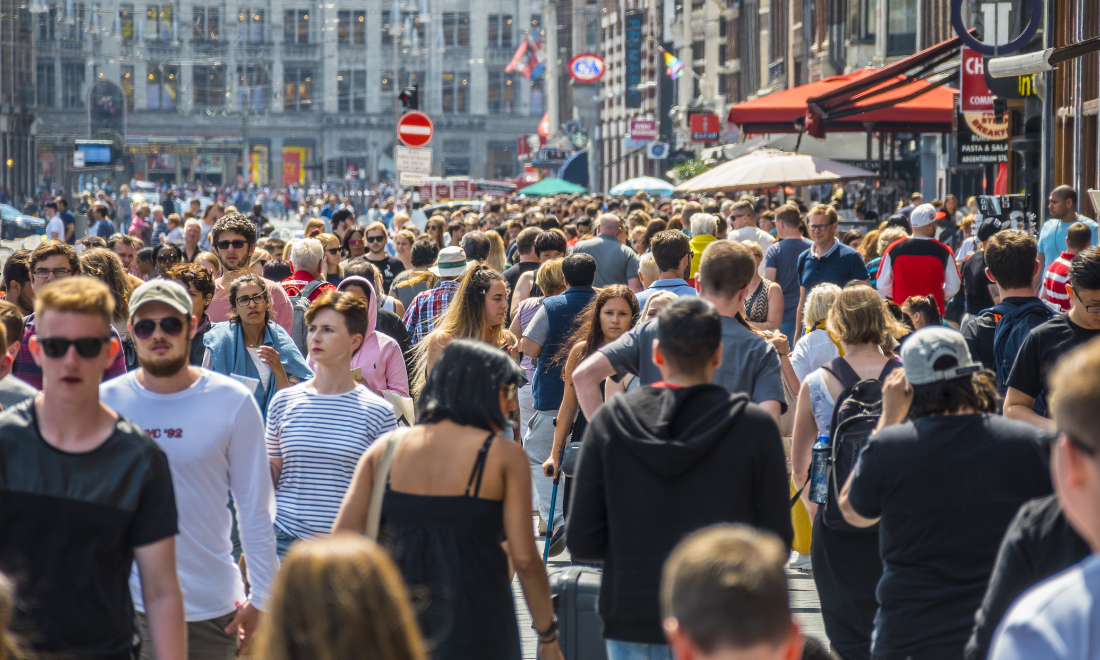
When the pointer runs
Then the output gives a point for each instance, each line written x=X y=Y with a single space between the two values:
x=819 y=484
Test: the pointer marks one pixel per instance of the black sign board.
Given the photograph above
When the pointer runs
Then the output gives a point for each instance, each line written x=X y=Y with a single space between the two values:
x=632 y=56
x=972 y=149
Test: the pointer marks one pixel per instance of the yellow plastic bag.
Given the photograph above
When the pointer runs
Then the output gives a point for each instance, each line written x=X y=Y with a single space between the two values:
x=803 y=527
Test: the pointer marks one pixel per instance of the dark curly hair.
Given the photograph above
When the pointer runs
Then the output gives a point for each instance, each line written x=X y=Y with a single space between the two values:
x=234 y=222
x=269 y=315
x=194 y=274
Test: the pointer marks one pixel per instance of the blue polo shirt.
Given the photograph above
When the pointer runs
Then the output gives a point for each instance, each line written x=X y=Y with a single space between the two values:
x=675 y=285
x=839 y=265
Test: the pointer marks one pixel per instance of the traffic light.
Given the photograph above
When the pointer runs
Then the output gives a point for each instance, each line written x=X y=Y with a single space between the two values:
x=410 y=98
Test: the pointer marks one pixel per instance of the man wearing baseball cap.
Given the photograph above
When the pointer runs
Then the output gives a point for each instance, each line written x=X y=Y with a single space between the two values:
x=919 y=265
x=943 y=476
x=210 y=427
x=428 y=306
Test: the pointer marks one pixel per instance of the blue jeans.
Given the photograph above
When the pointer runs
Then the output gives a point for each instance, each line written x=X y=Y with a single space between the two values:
x=617 y=650
x=788 y=330
x=283 y=541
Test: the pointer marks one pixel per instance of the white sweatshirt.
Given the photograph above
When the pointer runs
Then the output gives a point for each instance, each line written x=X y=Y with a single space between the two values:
x=213 y=435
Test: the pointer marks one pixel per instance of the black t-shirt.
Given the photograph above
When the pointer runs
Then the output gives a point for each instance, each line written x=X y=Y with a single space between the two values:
x=946 y=488
x=1040 y=352
x=69 y=524
x=389 y=267
x=511 y=275
x=975 y=283
x=980 y=330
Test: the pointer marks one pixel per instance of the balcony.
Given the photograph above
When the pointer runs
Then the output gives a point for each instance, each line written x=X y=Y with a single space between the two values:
x=70 y=45
x=161 y=49
x=256 y=49
x=301 y=51
x=208 y=47
x=499 y=56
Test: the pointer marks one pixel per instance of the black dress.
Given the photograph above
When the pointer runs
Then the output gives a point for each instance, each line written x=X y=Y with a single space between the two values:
x=448 y=549
x=847 y=568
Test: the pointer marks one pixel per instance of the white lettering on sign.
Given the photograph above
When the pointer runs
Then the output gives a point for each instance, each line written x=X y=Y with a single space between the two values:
x=995 y=17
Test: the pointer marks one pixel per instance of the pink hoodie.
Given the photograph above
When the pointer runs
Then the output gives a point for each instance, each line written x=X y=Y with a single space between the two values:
x=380 y=358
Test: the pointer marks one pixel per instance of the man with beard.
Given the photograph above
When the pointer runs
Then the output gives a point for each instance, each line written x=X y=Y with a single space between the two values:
x=210 y=427
x=233 y=240
x=376 y=253
x=672 y=252
x=17 y=279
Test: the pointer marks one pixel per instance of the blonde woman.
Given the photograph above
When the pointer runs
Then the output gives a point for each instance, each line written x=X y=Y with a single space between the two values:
x=816 y=346
x=496 y=257
x=552 y=282
x=333 y=252
x=402 y=246
x=258 y=260
x=764 y=302
x=210 y=262
x=339 y=598
x=655 y=303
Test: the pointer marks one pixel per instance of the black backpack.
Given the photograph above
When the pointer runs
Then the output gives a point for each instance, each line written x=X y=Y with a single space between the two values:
x=855 y=416
x=1012 y=328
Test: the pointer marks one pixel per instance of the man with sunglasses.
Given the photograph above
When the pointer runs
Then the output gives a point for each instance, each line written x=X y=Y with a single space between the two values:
x=1028 y=395
x=53 y=260
x=376 y=254
x=1059 y=617
x=210 y=427
x=68 y=541
x=233 y=240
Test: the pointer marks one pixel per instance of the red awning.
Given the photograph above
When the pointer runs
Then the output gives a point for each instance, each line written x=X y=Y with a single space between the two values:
x=908 y=96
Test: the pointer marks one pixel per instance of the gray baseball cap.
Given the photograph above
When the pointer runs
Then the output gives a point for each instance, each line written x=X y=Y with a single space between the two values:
x=925 y=346
x=169 y=292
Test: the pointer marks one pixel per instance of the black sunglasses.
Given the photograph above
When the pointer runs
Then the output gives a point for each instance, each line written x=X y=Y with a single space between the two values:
x=86 y=347
x=375 y=239
x=166 y=258
x=171 y=325
x=334 y=250
x=237 y=244
x=1050 y=438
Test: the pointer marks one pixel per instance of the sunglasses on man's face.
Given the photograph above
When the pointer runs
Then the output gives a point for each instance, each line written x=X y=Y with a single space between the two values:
x=171 y=325
x=236 y=244
x=376 y=239
x=86 y=347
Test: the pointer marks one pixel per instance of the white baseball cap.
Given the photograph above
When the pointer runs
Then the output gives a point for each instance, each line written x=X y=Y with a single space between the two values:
x=925 y=214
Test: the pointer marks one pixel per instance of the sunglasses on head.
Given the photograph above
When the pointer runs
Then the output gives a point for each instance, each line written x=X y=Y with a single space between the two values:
x=171 y=325
x=86 y=347
x=237 y=244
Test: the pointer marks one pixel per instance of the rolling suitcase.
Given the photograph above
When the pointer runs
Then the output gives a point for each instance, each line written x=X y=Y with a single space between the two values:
x=580 y=630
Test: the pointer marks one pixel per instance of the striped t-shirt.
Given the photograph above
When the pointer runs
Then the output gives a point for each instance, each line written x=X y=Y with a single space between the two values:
x=320 y=438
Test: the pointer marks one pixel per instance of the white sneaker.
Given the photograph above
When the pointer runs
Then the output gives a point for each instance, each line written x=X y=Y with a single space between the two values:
x=800 y=562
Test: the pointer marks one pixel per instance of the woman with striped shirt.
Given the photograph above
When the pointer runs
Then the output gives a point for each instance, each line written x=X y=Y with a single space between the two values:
x=318 y=429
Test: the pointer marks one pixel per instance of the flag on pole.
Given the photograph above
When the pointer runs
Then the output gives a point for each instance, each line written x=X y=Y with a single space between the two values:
x=521 y=50
x=534 y=67
x=674 y=64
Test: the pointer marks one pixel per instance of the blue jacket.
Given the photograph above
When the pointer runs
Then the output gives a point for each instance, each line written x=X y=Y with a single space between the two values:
x=229 y=356
x=563 y=313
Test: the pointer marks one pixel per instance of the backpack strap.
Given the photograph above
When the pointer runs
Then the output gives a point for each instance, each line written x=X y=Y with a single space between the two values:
x=842 y=371
x=308 y=289
x=888 y=368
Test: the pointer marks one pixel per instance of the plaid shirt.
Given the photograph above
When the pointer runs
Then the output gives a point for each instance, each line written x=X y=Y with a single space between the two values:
x=426 y=308
x=27 y=371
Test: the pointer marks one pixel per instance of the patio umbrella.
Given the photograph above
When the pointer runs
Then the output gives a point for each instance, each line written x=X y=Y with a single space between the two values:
x=770 y=168
x=552 y=186
x=645 y=184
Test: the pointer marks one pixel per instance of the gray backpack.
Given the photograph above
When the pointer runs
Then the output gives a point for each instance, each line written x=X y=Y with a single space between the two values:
x=300 y=303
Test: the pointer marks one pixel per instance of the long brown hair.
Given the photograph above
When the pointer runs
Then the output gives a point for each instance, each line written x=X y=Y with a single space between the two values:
x=106 y=267
x=338 y=598
x=589 y=329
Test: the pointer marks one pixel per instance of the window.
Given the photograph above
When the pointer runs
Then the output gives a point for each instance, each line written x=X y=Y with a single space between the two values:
x=387 y=81
x=722 y=27
x=209 y=84
x=297 y=89
x=901 y=27
x=869 y=12
x=158 y=22
x=351 y=27
x=592 y=34
x=46 y=22
x=698 y=50
x=125 y=22
x=253 y=86
x=72 y=83
x=538 y=97
x=162 y=83
x=126 y=80
x=500 y=30
x=455 y=86
x=456 y=29
x=407 y=78
x=73 y=28
x=700 y=74
x=46 y=85
x=296 y=26
x=501 y=93
x=387 y=38
x=250 y=25
x=207 y=24
x=721 y=54
x=351 y=90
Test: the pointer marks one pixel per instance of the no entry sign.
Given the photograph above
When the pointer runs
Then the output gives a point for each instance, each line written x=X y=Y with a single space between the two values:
x=415 y=129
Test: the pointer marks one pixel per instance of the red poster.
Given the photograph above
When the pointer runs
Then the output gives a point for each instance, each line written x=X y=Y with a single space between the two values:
x=975 y=95
x=705 y=128
x=442 y=191
x=462 y=188
x=425 y=192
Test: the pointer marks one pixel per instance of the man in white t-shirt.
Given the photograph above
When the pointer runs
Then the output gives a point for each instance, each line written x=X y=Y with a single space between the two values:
x=55 y=227
x=742 y=223
x=1060 y=617
x=210 y=427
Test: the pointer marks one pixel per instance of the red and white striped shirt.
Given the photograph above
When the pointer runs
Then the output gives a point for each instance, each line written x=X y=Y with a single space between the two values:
x=1054 y=281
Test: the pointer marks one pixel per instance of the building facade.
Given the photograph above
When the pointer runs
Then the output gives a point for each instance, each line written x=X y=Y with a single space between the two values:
x=307 y=91
x=17 y=118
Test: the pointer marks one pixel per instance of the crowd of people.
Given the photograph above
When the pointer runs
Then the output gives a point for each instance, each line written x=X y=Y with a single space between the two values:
x=348 y=443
